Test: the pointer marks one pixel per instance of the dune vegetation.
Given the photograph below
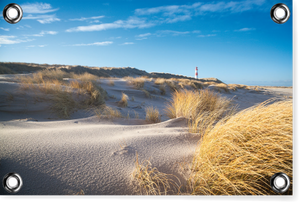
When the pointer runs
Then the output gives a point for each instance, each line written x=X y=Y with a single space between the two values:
x=153 y=115
x=202 y=108
x=124 y=101
x=66 y=96
x=138 y=82
x=152 y=182
x=107 y=112
x=239 y=155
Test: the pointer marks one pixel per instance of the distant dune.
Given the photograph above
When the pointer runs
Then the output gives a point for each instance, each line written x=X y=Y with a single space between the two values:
x=18 y=67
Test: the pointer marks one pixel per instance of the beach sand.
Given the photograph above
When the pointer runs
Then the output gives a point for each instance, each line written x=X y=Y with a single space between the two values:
x=56 y=156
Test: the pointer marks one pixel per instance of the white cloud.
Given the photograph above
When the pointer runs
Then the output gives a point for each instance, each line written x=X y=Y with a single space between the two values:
x=44 y=19
x=244 y=29
x=5 y=29
x=90 y=18
x=175 y=13
x=104 y=43
x=142 y=36
x=48 y=20
x=49 y=32
x=170 y=14
x=131 y=22
x=208 y=35
x=37 y=8
x=33 y=46
x=4 y=39
x=127 y=43
x=170 y=32
x=23 y=27
x=167 y=10
x=42 y=33
x=232 y=6
x=149 y=17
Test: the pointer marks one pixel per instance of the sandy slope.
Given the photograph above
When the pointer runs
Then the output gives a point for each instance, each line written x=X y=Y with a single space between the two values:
x=64 y=157
x=56 y=156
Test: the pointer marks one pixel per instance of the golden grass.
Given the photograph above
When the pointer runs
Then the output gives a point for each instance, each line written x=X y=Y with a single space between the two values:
x=96 y=95
x=201 y=108
x=44 y=76
x=220 y=87
x=111 y=83
x=162 y=89
x=124 y=101
x=147 y=94
x=152 y=115
x=160 y=81
x=138 y=82
x=196 y=85
x=232 y=87
x=239 y=156
x=176 y=84
x=62 y=102
x=107 y=112
x=172 y=85
x=85 y=77
x=208 y=83
x=152 y=182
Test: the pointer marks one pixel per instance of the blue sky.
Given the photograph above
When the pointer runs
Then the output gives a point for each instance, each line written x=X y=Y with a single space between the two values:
x=234 y=41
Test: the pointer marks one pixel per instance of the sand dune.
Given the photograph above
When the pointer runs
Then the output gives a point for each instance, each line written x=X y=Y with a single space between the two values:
x=64 y=157
x=56 y=156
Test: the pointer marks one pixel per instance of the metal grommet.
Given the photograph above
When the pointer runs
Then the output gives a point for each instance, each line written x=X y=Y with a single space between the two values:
x=12 y=13
x=280 y=13
x=12 y=182
x=280 y=182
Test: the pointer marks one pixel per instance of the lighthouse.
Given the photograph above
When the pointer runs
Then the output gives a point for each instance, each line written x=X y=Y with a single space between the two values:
x=196 y=73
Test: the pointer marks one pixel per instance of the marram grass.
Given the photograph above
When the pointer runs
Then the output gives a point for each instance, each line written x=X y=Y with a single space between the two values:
x=201 y=108
x=152 y=182
x=239 y=156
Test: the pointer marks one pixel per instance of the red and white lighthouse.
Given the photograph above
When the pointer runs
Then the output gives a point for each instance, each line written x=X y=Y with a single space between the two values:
x=196 y=73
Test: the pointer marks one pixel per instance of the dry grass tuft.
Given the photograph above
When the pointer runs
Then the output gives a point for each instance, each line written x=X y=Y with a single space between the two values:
x=152 y=115
x=107 y=112
x=239 y=156
x=232 y=87
x=111 y=83
x=162 y=89
x=85 y=77
x=138 y=83
x=202 y=108
x=172 y=84
x=49 y=75
x=152 y=182
x=147 y=94
x=63 y=103
x=196 y=85
x=124 y=101
x=160 y=81
x=96 y=95
x=220 y=87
